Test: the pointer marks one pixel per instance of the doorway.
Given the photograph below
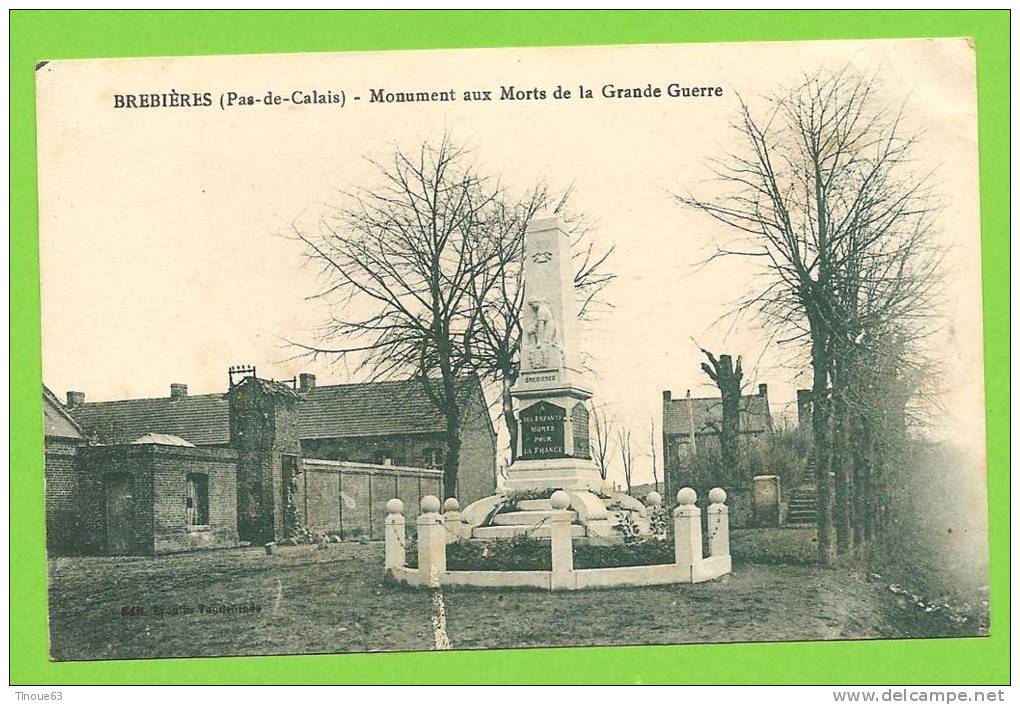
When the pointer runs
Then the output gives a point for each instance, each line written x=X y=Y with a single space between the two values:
x=119 y=514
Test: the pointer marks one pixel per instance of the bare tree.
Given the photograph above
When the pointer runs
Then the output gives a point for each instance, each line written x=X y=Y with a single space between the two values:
x=888 y=304
x=727 y=377
x=626 y=453
x=398 y=261
x=602 y=424
x=822 y=180
x=653 y=451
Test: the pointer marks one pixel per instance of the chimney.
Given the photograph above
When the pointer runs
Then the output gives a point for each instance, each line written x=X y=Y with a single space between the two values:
x=178 y=390
x=667 y=395
x=306 y=381
x=75 y=399
x=763 y=390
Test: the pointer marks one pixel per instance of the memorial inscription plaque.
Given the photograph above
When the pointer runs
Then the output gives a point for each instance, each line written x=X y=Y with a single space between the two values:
x=542 y=431
x=582 y=431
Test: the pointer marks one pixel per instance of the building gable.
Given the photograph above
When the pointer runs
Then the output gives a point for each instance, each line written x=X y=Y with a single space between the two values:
x=703 y=415
x=57 y=422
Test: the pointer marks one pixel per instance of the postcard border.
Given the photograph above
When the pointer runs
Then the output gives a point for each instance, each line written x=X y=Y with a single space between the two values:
x=47 y=35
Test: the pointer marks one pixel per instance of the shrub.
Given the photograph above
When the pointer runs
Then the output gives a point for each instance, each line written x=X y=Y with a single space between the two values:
x=660 y=523
x=784 y=453
x=641 y=552
x=517 y=553
x=526 y=553
x=627 y=526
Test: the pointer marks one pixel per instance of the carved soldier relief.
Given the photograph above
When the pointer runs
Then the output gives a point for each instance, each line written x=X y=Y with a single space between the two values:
x=542 y=349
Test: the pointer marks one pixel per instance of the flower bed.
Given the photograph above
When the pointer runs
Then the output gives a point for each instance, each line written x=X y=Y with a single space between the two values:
x=524 y=553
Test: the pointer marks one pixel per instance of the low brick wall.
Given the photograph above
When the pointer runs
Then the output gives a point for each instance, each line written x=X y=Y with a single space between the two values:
x=350 y=498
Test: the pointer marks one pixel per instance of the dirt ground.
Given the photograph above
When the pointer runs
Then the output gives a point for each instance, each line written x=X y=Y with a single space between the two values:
x=333 y=599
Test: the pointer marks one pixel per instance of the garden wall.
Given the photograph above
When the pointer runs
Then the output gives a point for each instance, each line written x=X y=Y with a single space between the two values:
x=350 y=498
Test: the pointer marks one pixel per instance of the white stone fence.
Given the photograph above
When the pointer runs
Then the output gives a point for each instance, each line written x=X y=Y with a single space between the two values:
x=689 y=565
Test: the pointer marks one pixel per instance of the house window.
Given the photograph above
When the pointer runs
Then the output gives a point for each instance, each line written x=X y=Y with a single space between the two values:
x=684 y=449
x=197 y=502
x=433 y=457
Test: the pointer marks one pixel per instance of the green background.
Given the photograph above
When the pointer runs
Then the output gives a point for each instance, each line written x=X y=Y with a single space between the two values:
x=64 y=35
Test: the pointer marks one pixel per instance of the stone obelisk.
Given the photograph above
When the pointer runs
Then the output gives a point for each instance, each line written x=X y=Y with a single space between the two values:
x=553 y=440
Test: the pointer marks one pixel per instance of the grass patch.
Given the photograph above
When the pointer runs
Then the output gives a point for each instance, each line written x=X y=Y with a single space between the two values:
x=774 y=546
x=335 y=599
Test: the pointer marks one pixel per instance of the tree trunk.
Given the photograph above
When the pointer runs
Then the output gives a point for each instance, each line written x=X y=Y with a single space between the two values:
x=727 y=378
x=728 y=437
x=508 y=412
x=843 y=515
x=822 y=449
x=860 y=445
x=871 y=486
x=451 y=410
x=668 y=469
x=876 y=481
x=452 y=454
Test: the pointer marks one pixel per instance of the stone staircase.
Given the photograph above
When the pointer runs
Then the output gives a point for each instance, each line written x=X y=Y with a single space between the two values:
x=801 y=505
x=530 y=513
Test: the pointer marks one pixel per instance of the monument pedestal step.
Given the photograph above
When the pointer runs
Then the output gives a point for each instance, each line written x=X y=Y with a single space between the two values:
x=511 y=530
x=565 y=473
x=524 y=518
x=534 y=505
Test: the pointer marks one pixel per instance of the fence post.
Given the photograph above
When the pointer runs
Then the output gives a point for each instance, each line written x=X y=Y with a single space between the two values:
x=561 y=542
x=431 y=539
x=718 y=523
x=687 y=528
x=396 y=535
x=456 y=527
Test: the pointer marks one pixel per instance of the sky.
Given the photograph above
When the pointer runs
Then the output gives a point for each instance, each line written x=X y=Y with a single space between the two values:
x=164 y=247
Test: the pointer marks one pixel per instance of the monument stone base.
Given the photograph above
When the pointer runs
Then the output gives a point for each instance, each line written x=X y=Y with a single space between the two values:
x=553 y=474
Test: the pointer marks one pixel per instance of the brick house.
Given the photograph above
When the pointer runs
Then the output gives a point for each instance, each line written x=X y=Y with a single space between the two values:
x=178 y=472
x=153 y=494
x=63 y=440
x=692 y=424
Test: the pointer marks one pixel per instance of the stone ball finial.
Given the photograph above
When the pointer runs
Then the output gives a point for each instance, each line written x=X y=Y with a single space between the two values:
x=559 y=500
x=717 y=495
x=394 y=506
x=429 y=504
x=653 y=499
x=451 y=505
x=686 y=496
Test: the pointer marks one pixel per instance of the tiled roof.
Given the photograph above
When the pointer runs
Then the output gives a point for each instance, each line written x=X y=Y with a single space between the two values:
x=374 y=408
x=329 y=411
x=202 y=419
x=707 y=411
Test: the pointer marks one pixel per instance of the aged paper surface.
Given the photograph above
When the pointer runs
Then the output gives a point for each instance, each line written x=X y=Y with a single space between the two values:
x=171 y=190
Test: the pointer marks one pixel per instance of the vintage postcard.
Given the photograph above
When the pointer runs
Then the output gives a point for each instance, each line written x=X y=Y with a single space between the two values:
x=500 y=348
